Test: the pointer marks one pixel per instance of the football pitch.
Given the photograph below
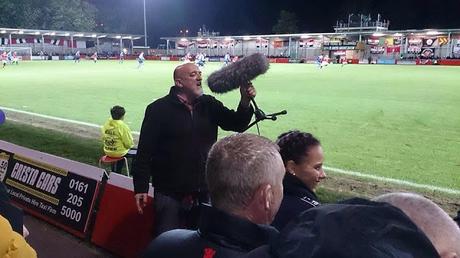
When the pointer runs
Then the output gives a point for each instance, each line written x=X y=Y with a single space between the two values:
x=399 y=122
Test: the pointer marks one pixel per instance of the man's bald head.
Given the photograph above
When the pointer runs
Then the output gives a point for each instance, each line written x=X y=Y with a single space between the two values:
x=182 y=69
x=430 y=218
x=187 y=78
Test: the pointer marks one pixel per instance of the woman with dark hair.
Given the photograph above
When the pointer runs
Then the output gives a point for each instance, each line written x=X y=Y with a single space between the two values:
x=303 y=160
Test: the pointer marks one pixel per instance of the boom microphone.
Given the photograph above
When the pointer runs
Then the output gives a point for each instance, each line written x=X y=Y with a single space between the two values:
x=239 y=73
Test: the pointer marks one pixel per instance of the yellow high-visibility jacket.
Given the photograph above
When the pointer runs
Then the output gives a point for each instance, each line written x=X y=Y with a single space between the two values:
x=117 y=138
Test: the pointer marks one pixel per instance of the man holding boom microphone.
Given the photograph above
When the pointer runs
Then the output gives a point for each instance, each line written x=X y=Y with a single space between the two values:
x=177 y=132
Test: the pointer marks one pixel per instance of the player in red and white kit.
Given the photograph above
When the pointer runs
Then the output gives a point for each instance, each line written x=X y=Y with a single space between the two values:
x=343 y=60
x=4 y=58
x=94 y=57
x=15 y=58
x=324 y=61
x=188 y=58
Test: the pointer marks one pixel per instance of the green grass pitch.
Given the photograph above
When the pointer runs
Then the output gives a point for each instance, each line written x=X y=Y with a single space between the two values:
x=401 y=122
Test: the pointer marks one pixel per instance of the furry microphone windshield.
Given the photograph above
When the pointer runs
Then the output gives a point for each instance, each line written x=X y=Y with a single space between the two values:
x=239 y=73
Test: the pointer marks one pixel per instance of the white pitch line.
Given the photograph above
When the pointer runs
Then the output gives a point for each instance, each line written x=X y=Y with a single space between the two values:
x=56 y=118
x=394 y=181
x=335 y=170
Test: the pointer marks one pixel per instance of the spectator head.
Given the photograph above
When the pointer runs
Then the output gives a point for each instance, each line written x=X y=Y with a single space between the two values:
x=244 y=174
x=302 y=157
x=117 y=112
x=430 y=218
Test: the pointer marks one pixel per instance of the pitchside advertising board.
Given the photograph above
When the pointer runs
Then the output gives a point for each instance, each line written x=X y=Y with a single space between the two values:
x=58 y=190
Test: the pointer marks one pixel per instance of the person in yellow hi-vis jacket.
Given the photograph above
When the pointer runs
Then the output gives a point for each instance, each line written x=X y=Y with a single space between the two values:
x=117 y=137
x=12 y=244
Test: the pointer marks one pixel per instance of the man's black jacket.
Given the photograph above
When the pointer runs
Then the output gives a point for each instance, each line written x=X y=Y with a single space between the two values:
x=220 y=235
x=174 y=142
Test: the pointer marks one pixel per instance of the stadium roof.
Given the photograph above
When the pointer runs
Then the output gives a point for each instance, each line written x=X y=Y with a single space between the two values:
x=75 y=34
x=432 y=32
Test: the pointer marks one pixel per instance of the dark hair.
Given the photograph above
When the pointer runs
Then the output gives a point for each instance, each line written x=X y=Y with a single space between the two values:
x=117 y=112
x=295 y=144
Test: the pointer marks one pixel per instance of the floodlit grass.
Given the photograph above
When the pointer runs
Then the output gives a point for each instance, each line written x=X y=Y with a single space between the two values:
x=88 y=150
x=401 y=122
x=57 y=143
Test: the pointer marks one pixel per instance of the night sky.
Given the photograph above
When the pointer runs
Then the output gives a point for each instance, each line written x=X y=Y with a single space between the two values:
x=167 y=17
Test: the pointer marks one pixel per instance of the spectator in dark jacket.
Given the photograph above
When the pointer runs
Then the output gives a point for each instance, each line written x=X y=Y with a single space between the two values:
x=397 y=225
x=355 y=228
x=244 y=173
x=303 y=160
x=431 y=219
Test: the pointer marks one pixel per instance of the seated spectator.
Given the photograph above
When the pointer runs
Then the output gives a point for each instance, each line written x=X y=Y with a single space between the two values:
x=244 y=174
x=355 y=228
x=117 y=137
x=303 y=161
x=13 y=245
x=430 y=218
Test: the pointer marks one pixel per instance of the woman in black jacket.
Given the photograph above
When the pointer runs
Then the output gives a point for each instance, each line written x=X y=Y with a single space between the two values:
x=303 y=159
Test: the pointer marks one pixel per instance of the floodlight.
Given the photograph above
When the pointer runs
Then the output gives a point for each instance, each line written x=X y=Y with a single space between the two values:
x=228 y=38
x=37 y=33
x=183 y=39
x=305 y=36
x=53 y=33
x=21 y=32
x=94 y=35
x=378 y=34
x=77 y=35
x=398 y=34
x=3 y=31
x=247 y=38
x=118 y=37
x=67 y=34
x=199 y=39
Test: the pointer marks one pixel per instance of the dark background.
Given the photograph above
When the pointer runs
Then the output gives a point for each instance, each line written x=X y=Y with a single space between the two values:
x=168 y=17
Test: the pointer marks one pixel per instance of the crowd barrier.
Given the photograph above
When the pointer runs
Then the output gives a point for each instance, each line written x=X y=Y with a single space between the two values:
x=119 y=228
x=279 y=60
x=391 y=61
x=77 y=198
x=282 y=60
x=450 y=62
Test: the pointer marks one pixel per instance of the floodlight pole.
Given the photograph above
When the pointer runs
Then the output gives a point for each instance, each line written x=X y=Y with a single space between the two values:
x=145 y=27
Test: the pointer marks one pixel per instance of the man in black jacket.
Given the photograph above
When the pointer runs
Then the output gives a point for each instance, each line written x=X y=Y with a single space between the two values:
x=177 y=132
x=355 y=228
x=244 y=173
x=431 y=219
